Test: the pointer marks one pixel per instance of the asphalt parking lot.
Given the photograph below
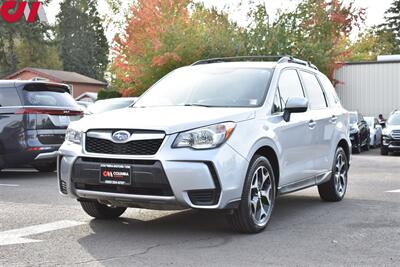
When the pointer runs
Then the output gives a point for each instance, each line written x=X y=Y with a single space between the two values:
x=38 y=227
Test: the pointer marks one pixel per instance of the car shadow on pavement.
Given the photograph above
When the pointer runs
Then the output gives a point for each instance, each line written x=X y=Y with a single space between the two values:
x=188 y=228
x=24 y=174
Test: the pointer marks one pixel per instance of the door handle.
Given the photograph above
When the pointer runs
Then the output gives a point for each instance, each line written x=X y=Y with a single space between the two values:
x=312 y=124
x=333 y=119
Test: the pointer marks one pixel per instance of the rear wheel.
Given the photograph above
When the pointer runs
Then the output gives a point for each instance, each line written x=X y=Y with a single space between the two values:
x=45 y=167
x=101 y=211
x=258 y=198
x=357 y=150
x=335 y=189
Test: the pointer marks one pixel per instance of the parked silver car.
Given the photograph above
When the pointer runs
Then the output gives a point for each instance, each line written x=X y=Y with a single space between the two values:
x=227 y=134
x=375 y=131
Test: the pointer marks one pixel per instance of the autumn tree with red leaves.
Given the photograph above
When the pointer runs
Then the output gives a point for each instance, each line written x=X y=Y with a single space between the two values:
x=162 y=35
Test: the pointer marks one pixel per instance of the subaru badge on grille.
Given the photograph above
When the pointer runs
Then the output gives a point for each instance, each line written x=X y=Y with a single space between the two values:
x=121 y=136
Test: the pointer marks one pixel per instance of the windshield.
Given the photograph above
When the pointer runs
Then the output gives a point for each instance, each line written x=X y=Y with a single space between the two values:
x=209 y=86
x=353 y=118
x=107 y=105
x=370 y=121
x=394 y=119
x=47 y=95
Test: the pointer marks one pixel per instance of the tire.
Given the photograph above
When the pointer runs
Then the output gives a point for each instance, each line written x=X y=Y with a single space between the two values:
x=384 y=151
x=259 y=186
x=358 y=149
x=101 y=211
x=335 y=189
x=45 y=167
x=367 y=145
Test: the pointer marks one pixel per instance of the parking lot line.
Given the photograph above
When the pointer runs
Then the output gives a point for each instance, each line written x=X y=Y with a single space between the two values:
x=393 y=191
x=16 y=236
x=10 y=185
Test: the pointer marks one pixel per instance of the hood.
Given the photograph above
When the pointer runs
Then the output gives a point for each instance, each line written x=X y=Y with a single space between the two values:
x=390 y=128
x=168 y=119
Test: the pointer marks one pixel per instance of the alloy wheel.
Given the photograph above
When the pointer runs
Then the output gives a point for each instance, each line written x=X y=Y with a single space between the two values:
x=261 y=196
x=340 y=175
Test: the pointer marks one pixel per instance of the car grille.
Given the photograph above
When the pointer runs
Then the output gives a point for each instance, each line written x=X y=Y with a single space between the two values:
x=137 y=147
x=396 y=134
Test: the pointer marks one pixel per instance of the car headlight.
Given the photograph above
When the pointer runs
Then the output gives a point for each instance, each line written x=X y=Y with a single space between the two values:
x=205 y=137
x=73 y=136
x=385 y=132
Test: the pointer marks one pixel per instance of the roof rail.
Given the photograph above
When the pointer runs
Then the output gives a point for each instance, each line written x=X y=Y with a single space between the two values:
x=279 y=58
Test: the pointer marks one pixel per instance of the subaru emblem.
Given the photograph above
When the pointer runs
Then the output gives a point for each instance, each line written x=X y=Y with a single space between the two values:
x=121 y=136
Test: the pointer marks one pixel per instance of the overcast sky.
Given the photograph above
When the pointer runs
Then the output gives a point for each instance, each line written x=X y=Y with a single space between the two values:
x=375 y=9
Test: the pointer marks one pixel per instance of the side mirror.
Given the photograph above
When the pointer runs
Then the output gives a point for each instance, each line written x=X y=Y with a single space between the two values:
x=294 y=105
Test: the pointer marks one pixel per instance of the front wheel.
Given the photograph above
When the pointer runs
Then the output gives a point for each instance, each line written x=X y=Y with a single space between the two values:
x=335 y=189
x=258 y=198
x=101 y=211
x=368 y=144
x=384 y=151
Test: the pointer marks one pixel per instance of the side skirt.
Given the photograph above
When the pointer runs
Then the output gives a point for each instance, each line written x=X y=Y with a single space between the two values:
x=305 y=183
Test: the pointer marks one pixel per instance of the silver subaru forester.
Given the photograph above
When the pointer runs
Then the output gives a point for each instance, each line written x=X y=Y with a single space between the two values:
x=228 y=133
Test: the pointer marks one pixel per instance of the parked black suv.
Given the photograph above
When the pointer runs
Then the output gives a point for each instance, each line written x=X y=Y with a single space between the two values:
x=33 y=119
x=391 y=134
x=359 y=132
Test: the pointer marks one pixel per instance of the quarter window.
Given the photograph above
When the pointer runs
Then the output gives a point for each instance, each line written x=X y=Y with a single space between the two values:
x=329 y=89
x=315 y=94
x=9 y=97
x=289 y=86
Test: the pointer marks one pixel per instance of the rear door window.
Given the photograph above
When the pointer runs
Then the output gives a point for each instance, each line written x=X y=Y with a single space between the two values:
x=316 y=96
x=47 y=96
x=9 y=97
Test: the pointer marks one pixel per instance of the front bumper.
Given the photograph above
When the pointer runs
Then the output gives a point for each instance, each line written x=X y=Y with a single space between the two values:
x=354 y=140
x=171 y=179
x=390 y=143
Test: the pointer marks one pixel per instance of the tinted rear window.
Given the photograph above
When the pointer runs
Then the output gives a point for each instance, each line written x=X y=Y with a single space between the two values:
x=9 y=97
x=47 y=95
x=314 y=90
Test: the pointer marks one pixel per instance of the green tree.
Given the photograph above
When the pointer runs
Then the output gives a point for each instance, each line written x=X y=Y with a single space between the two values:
x=25 y=44
x=372 y=43
x=391 y=27
x=316 y=31
x=84 y=47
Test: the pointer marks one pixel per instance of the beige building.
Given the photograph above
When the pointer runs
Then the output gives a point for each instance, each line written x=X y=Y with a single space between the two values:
x=371 y=88
x=79 y=83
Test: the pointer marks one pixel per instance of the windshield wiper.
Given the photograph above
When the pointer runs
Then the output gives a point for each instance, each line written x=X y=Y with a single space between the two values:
x=197 y=105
